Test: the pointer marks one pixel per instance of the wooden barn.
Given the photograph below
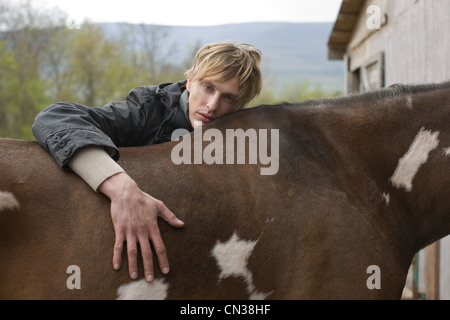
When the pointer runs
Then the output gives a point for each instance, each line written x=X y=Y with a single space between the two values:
x=383 y=42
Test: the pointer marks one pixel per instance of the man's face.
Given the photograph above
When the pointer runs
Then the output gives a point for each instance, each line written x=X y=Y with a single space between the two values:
x=209 y=100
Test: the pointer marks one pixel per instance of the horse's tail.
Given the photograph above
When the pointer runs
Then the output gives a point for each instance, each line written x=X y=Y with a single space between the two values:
x=8 y=201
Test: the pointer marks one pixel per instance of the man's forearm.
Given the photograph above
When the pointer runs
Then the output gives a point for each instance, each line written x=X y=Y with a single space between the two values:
x=94 y=166
x=65 y=128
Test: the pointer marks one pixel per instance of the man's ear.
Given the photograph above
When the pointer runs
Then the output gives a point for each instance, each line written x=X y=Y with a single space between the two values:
x=189 y=82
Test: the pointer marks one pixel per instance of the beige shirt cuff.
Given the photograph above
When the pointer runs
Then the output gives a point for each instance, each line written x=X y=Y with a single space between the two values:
x=94 y=165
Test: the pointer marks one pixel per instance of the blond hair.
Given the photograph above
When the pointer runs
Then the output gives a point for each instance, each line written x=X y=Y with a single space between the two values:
x=223 y=61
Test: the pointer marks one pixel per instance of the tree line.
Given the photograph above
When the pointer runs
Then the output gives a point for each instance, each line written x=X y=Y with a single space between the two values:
x=44 y=59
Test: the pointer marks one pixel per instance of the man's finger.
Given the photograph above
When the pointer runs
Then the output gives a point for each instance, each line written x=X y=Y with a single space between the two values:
x=117 y=253
x=160 y=250
x=147 y=259
x=132 y=256
x=168 y=215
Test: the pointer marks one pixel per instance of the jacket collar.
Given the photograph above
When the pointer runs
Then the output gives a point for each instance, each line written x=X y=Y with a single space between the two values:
x=184 y=103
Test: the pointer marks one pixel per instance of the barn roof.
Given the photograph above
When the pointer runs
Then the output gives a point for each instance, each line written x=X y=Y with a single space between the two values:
x=343 y=28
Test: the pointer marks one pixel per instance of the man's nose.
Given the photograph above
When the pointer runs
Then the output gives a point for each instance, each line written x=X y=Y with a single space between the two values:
x=213 y=103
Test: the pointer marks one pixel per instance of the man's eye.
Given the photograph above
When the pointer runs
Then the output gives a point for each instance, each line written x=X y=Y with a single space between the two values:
x=208 y=88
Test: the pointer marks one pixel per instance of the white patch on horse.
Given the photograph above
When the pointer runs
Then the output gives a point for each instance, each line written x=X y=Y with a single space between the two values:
x=255 y=295
x=142 y=290
x=8 y=201
x=232 y=257
x=447 y=151
x=387 y=198
x=270 y=220
x=409 y=103
x=424 y=142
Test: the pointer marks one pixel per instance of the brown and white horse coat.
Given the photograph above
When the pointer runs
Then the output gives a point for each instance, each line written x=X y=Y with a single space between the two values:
x=363 y=181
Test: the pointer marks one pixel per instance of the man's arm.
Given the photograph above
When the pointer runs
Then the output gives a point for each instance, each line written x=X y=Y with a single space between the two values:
x=94 y=166
x=134 y=213
x=64 y=128
x=68 y=131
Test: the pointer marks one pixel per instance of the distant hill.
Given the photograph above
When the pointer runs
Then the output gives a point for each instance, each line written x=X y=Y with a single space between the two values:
x=292 y=52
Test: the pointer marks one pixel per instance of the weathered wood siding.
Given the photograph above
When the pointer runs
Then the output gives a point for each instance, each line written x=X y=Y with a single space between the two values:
x=414 y=40
x=412 y=46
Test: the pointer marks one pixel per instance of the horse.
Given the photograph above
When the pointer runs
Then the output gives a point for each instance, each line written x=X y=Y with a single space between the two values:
x=361 y=186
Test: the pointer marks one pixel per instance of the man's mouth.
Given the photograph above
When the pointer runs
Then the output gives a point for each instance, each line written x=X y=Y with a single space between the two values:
x=205 y=118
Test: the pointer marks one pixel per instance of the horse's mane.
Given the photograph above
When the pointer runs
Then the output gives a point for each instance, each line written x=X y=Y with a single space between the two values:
x=402 y=90
x=397 y=91
x=372 y=101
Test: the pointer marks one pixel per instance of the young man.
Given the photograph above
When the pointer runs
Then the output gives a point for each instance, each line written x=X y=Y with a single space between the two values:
x=224 y=78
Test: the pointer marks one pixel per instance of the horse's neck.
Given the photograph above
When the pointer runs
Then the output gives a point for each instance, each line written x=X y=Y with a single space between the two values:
x=402 y=147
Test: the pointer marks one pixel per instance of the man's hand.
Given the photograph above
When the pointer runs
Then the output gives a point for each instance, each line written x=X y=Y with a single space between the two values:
x=135 y=218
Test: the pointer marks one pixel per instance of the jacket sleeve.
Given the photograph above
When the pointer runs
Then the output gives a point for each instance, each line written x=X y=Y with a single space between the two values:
x=94 y=166
x=63 y=128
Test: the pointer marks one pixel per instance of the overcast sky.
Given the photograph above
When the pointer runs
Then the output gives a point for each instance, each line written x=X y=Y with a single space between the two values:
x=196 y=12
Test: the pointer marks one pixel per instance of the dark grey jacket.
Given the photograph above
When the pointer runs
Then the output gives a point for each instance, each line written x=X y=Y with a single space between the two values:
x=148 y=116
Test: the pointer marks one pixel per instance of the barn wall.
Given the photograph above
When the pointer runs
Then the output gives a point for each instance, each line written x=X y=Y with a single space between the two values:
x=444 y=269
x=413 y=45
x=414 y=39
